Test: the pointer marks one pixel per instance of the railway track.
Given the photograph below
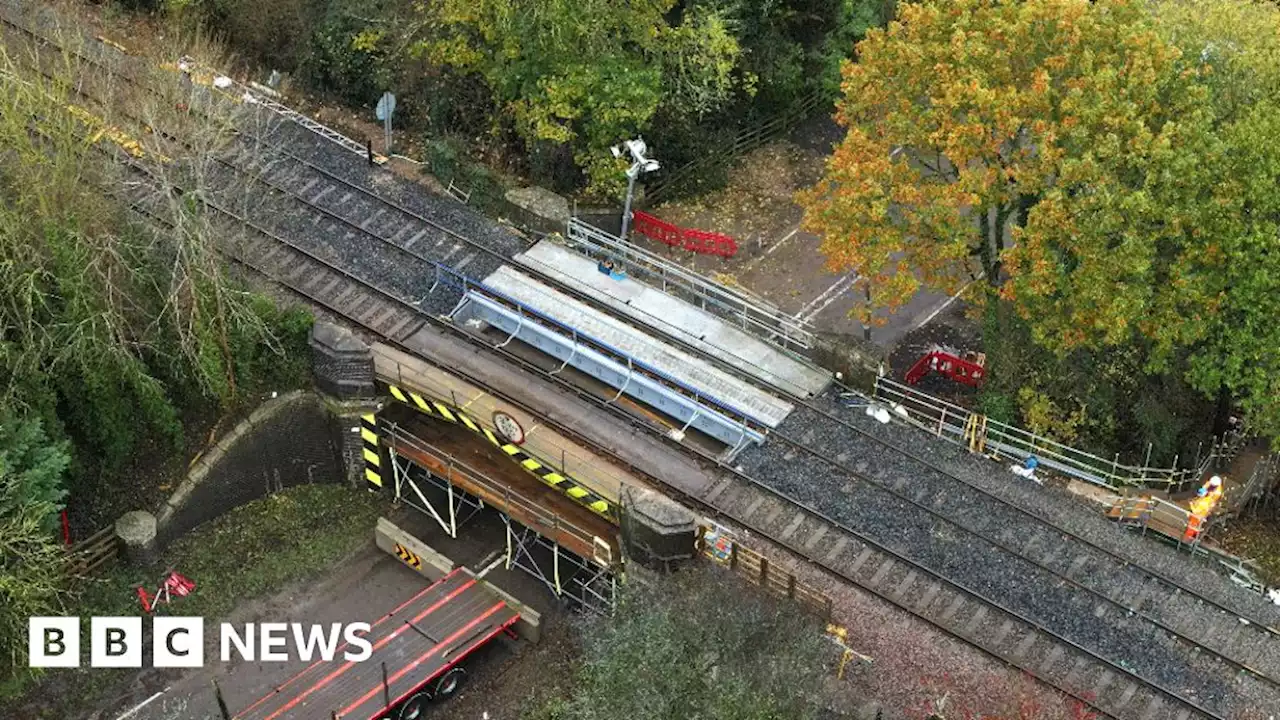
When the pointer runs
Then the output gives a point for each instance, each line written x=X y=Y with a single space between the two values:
x=1243 y=636
x=934 y=524
x=384 y=305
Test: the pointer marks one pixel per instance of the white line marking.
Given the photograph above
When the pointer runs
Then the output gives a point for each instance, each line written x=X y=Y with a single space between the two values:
x=772 y=247
x=947 y=304
x=143 y=704
x=827 y=297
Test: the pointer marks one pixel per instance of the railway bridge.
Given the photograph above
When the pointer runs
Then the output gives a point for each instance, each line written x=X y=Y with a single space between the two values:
x=598 y=385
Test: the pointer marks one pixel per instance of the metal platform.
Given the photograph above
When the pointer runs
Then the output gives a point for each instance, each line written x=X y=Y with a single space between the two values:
x=679 y=319
x=623 y=357
x=676 y=364
x=753 y=313
x=431 y=632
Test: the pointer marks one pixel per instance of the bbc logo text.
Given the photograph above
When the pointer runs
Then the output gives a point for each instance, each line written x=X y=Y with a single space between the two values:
x=179 y=642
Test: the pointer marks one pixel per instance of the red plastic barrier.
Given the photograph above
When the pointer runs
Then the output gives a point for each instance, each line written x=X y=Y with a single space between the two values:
x=960 y=369
x=709 y=243
x=655 y=229
x=698 y=241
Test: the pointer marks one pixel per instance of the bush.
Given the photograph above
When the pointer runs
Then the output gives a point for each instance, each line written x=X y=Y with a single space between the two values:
x=699 y=644
x=32 y=563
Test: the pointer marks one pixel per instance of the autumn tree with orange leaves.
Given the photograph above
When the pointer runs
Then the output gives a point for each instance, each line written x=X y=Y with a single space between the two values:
x=1100 y=163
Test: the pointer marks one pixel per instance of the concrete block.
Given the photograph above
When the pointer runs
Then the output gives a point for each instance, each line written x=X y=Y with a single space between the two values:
x=434 y=565
x=137 y=531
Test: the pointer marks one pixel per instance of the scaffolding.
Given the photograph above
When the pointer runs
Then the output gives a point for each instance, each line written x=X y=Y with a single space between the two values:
x=575 y=565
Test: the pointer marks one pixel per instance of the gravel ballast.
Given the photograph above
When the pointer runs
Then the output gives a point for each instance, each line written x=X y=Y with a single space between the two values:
x=830 y=482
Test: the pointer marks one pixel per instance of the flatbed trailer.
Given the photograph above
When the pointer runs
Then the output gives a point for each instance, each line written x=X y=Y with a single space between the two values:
x=417 y=651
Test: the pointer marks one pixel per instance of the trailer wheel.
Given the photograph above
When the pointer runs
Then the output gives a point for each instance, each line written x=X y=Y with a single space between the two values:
x=449 y=684
x=415 y=707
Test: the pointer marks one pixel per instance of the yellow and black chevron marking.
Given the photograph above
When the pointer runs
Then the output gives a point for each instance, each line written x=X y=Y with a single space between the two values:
x=408 y=557
x=372 y=457
x=569 y=486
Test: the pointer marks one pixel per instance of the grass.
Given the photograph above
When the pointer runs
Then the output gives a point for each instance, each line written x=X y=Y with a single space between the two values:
x=247 y=553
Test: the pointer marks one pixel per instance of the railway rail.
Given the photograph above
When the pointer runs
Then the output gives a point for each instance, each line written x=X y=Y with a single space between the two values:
x=1242 y=636
x=828 y=542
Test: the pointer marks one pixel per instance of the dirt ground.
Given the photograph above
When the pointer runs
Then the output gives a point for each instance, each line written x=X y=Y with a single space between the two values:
x=521 y=680
x=776 y=259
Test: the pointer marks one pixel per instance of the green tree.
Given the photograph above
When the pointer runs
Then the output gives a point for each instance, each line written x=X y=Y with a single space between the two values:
x=112 y=324
x=698 y=644
x=1235 y=47
x=32 y=564
x=585 y=74
x=1105 y=164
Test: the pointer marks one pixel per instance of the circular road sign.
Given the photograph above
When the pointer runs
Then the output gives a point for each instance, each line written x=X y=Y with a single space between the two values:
x=508 y=427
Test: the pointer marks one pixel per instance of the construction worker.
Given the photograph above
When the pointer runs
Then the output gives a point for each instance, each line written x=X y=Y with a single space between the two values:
x=1206 y=499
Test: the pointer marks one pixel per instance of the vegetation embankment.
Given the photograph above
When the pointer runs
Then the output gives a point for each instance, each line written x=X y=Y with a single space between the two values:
x=119 y=331
x=288 y=537
x=543 y=89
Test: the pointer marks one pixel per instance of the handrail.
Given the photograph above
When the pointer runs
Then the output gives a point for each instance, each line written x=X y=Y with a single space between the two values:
x=770 y=323
x=1016 y=442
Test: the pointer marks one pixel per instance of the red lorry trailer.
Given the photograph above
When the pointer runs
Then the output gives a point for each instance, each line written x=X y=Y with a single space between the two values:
x=417 y=651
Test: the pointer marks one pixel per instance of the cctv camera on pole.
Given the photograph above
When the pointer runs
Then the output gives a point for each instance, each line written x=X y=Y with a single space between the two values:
x=640 y=165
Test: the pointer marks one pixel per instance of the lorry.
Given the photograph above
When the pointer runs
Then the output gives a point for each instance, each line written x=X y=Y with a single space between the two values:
x=418 y=650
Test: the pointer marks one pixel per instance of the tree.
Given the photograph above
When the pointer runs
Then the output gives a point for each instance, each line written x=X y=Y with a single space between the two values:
x=1100 y=161
x=586 y=74
x=114 y=294
x=964 y=116
x=699 y=644
x=32 y=564
x=1237 y=46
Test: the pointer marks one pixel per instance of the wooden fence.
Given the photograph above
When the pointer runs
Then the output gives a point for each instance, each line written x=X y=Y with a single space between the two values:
x=93 y=553
x=755 y=568
x=742 y=143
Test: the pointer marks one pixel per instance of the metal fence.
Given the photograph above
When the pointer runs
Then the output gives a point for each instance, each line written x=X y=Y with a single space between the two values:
x=991 y=437
x=751 y=314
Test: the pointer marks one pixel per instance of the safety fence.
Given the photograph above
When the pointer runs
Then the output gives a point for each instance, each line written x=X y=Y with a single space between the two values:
x=991 y=437
x=695 y=241
x=755 y=568
x=93 y=553
x=1259 y=491
x=752 y=314
x=686 y=176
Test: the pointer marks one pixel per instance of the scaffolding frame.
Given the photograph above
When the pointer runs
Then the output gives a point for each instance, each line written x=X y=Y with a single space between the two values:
x=455 y=503
x=591 y=583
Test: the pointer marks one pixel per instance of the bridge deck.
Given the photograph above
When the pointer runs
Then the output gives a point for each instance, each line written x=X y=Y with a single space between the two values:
x=676 y=364
x=677 y=318
x=586 y=467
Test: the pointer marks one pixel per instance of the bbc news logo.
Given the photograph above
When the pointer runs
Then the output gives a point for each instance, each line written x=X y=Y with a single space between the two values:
x=178 y=642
